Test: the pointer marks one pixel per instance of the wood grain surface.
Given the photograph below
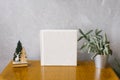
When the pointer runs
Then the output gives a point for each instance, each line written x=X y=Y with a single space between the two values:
x=84 y=71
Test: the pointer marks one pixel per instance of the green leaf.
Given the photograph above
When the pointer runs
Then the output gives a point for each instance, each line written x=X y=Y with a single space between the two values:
x=81 y=32
x=105 y=38
x=96 y=30
x=99 y=32
x=94 y=56
x=89 y=49
x=89 y=32
x=86 y=36
x=83 y=46
x=80 y=38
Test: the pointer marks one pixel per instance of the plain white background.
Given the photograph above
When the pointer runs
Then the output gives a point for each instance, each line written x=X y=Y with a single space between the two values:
x=23 y=19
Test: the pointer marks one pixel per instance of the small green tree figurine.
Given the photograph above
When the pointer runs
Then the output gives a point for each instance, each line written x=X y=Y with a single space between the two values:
x=19 y=47
x=18 y=50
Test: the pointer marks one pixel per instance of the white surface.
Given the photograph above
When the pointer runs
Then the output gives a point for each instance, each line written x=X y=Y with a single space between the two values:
x=58 y=47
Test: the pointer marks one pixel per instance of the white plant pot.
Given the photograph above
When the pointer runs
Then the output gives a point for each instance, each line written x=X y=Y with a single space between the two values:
x=101 y=61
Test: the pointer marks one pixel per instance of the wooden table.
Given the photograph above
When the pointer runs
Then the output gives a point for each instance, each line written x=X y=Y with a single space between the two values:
x=84 y=71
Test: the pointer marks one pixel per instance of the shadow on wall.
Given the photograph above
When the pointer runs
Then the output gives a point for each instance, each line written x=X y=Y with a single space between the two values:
x=82 y=56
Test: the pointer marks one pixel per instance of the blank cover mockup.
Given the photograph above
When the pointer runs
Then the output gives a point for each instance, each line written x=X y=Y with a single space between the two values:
x=58 y=47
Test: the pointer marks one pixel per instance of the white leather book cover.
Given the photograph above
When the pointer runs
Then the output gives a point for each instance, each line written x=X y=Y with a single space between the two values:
x=58 y=47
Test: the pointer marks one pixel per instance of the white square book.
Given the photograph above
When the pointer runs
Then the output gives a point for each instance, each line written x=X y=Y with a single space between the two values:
x=58 y=47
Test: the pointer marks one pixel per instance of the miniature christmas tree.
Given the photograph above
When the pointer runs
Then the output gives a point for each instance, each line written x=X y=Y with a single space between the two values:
x=23 y=56
x=20 y=58
x=19 y=47
x=18 y=50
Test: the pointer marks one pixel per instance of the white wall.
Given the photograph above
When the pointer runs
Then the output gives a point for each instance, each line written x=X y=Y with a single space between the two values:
x=22 y=20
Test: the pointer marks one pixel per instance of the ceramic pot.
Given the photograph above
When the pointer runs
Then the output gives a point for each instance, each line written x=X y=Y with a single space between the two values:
x=101 y=61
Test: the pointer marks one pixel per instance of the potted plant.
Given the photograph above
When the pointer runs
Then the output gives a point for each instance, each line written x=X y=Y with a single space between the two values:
x=98 y=45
